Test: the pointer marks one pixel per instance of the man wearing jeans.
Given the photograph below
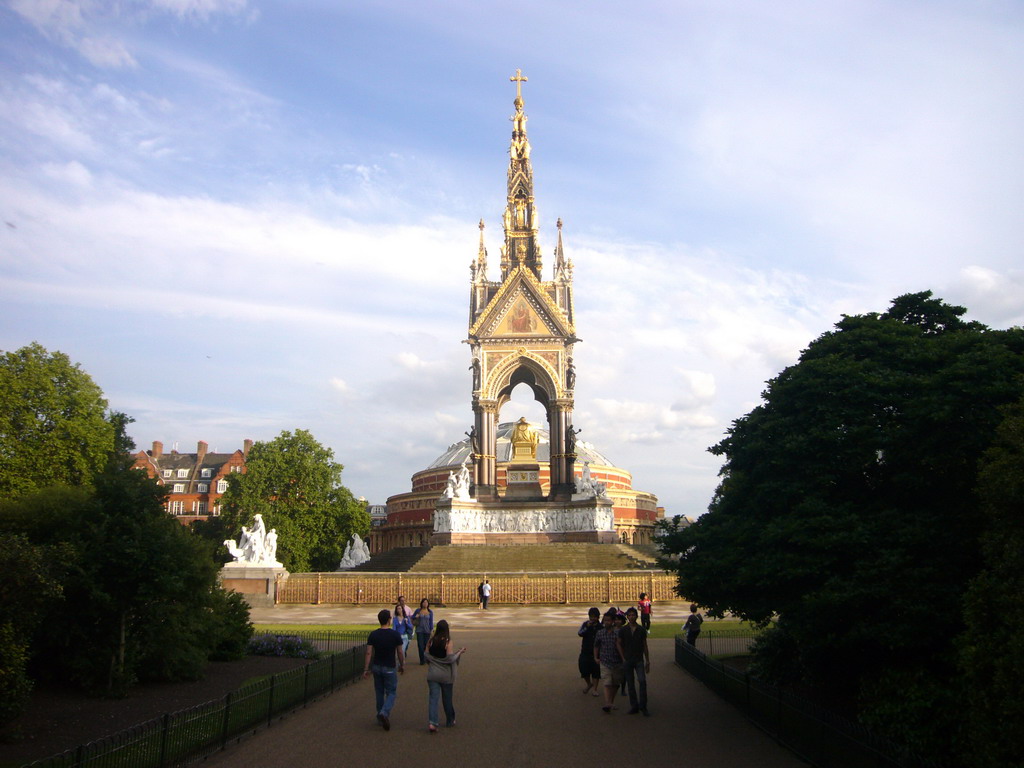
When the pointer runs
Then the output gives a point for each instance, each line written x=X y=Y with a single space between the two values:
x=636 y=661
x=383 y=654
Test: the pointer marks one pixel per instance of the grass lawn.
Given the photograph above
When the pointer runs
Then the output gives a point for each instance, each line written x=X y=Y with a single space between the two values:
x=718 y=626
x=285 y=628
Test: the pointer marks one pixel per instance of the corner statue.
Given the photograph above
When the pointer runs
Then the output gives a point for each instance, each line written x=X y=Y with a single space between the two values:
x=524 y=440
x=256 y=546
x=357 y=552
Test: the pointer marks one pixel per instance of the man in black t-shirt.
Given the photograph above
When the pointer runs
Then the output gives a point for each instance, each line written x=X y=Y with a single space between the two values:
x=383 y=654
x=636 y=662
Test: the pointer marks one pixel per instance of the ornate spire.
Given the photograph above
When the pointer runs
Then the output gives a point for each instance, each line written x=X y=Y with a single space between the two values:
x=480 y=265
x=561 y=268
x=520 y=218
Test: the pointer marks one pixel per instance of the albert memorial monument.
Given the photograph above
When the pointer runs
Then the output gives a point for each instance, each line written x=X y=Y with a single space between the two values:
x=512 y=482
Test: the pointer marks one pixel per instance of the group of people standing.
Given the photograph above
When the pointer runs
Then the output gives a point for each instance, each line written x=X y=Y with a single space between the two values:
x=386 y=653
x=614 y=654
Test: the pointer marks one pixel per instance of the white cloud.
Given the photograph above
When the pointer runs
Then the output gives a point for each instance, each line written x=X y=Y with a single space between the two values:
x=71 y=173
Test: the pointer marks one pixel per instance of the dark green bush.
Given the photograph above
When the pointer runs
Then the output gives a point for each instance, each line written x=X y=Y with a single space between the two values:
x=15 y=685
x=232 y=629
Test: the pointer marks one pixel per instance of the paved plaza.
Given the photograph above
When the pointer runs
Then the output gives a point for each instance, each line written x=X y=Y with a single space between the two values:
x=518 y=701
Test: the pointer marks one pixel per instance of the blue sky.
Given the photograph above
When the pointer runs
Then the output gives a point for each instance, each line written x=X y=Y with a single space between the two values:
x=242 y=217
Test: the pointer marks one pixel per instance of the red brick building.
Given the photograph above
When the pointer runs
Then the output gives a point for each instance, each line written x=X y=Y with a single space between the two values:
x=197 y=480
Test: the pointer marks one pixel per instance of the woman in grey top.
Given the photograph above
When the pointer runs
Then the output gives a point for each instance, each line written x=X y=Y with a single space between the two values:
x=441 y=675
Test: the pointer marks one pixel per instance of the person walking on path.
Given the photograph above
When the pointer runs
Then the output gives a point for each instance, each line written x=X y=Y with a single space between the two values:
x=590 y=670
x=646 y=606
x=402 y=623
x=692 y=625
x=441 y=675
x=636 y=662
x=480 y=594
x=423 y=620
x=383 y=654
x=609 y=655
x=485 y=593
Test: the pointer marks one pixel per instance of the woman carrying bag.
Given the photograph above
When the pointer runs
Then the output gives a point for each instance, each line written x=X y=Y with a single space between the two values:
x=441 y=675
x=402 y=624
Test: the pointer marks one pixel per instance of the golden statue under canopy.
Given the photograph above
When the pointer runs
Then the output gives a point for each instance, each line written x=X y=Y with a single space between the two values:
x=524 y=440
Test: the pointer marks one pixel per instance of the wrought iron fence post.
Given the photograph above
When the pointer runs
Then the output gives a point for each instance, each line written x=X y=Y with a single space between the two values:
x=225 y=728
x=305 y=685
x=334 y=666
x=163 y=740
x=270 y=700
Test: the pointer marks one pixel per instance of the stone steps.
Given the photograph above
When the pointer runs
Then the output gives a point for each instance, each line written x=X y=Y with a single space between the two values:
x=397 y=560
x=528 y=557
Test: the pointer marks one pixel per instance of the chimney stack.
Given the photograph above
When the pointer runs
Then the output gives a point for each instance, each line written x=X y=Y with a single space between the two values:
x=245 y=447
x=158 y=449
x=201 y=451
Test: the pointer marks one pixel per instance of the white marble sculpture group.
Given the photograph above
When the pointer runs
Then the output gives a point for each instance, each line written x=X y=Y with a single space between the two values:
x=356 y=553
x=589 y=488
x=458 y=484
x=256 y=546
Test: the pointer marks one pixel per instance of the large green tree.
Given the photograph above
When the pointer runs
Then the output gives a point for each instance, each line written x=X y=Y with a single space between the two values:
x=992 y=647
x=140 y=593
x=847 y=506
x=294 y=482
x=139 y=597
x=53 y=425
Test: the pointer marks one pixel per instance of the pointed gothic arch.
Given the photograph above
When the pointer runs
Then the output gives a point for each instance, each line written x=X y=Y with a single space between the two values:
x=522 y=368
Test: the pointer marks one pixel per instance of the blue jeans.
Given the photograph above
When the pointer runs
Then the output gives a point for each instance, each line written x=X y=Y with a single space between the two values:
x=385 y=685
x=422 y=638
x=444 y=692
x=636 y=666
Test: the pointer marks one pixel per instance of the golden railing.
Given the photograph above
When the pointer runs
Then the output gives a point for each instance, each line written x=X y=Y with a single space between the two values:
x=614 y=587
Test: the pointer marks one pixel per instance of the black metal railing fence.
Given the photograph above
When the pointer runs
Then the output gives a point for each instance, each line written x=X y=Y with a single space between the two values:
x=190 y=735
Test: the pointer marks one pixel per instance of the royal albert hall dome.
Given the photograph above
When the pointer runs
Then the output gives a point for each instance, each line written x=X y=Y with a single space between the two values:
x=410 y=515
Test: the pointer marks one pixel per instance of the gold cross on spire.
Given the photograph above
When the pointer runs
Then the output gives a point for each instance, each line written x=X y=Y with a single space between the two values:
x=518 y=79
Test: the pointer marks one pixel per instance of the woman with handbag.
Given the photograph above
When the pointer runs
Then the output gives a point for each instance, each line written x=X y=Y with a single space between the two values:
x=402 y=623
x=441 y=676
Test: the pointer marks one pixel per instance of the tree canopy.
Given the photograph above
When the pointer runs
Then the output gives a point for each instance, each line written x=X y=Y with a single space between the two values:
x=992 y=650
x=53 y=425
x=847 y=508
x=294 y=482
x=102 y=586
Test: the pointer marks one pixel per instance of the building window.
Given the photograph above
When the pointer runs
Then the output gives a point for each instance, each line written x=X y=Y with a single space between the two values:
x=182 y=473
x=204 y=488
x=167 y=473
x=236 y=468
x=176 y=507
x=216 y=510
x=222 y=486
x=179 y=487
x=207 y=472
x=199 y=507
